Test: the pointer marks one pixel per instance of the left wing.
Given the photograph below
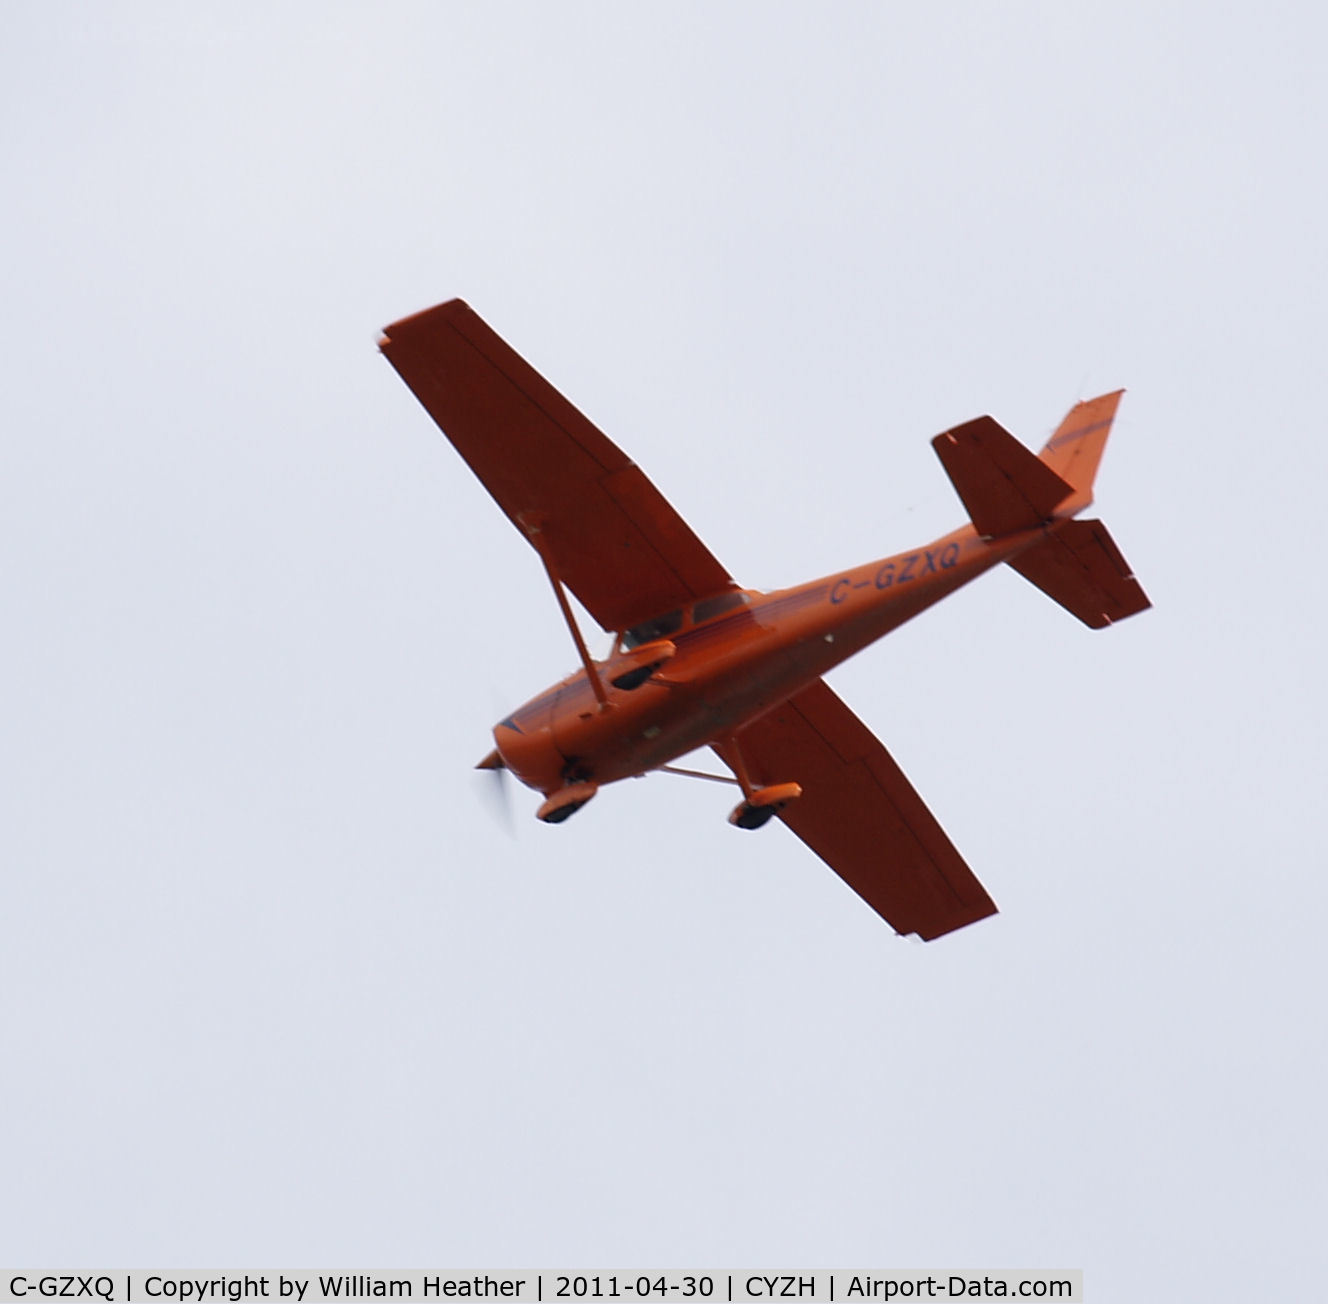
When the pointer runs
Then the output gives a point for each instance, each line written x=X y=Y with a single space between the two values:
x=861 y=815
x=608 y=532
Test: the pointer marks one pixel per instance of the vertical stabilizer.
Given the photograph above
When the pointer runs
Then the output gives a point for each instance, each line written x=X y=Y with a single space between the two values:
x=1074 y=451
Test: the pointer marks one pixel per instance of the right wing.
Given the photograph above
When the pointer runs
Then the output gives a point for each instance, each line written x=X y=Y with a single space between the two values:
x=608 y=532
x=861 y=815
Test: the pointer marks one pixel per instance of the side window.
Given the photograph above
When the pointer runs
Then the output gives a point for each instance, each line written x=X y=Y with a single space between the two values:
x=716 y=606
x=647 y=632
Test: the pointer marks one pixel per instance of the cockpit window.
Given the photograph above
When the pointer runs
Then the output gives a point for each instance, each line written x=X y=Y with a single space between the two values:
x=660 y=627
x=709 y=607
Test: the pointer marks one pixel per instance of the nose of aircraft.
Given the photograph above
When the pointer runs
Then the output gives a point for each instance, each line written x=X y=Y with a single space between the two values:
x=530 y=755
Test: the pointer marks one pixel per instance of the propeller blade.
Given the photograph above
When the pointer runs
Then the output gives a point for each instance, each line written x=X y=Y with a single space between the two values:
x=497 y=792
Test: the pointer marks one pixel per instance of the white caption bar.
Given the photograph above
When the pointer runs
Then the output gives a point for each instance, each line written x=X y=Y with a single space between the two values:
x=652 y=1287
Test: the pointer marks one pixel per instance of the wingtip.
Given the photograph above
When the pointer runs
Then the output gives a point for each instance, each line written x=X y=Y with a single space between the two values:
x=425 y=317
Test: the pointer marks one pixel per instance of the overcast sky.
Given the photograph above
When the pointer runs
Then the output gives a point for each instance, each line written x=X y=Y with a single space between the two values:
x=277 y=990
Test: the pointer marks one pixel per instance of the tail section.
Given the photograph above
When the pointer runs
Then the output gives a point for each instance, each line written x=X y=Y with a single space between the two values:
x=1007 y=489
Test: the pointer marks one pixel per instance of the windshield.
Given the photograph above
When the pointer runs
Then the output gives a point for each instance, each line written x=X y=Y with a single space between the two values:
x=650 y=630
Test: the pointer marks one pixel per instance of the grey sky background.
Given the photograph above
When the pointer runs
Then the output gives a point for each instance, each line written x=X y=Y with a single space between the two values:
x=275 y=989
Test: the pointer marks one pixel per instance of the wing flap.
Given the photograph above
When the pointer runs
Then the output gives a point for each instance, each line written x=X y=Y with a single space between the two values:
x=612 y=537
x=861 y=815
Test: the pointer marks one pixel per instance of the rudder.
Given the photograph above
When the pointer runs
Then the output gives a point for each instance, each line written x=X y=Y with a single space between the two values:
x=1075 y=449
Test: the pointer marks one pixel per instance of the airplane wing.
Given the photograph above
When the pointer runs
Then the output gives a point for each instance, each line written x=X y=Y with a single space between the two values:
x=608 y=532
x=861 y=815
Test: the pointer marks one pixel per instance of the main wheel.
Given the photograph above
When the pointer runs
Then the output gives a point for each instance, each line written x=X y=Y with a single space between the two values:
x=748 y=816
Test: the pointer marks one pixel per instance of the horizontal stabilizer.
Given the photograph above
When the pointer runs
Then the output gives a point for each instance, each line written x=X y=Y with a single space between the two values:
x=1082 y=569
x=1004 y=486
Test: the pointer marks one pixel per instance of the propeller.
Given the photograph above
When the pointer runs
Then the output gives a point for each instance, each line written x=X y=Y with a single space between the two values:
x=497 y=791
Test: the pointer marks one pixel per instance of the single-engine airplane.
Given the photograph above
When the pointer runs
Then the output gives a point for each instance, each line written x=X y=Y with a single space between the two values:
x=697 y=660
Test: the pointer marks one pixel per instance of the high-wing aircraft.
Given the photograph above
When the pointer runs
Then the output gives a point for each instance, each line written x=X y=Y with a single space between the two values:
x=698 y=660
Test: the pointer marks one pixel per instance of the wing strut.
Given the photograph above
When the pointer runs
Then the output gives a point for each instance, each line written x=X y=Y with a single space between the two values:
x=696 y=774
x=536 y=536
x=734 y=758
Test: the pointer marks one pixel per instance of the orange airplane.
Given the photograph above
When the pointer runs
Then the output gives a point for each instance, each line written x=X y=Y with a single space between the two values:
x=699 y=661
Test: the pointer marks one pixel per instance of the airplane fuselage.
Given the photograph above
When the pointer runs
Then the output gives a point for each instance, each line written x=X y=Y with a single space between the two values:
x=728 y=670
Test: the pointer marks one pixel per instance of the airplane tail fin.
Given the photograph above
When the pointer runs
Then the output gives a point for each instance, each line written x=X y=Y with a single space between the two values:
x=1007 y=489
x=1075 y=449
